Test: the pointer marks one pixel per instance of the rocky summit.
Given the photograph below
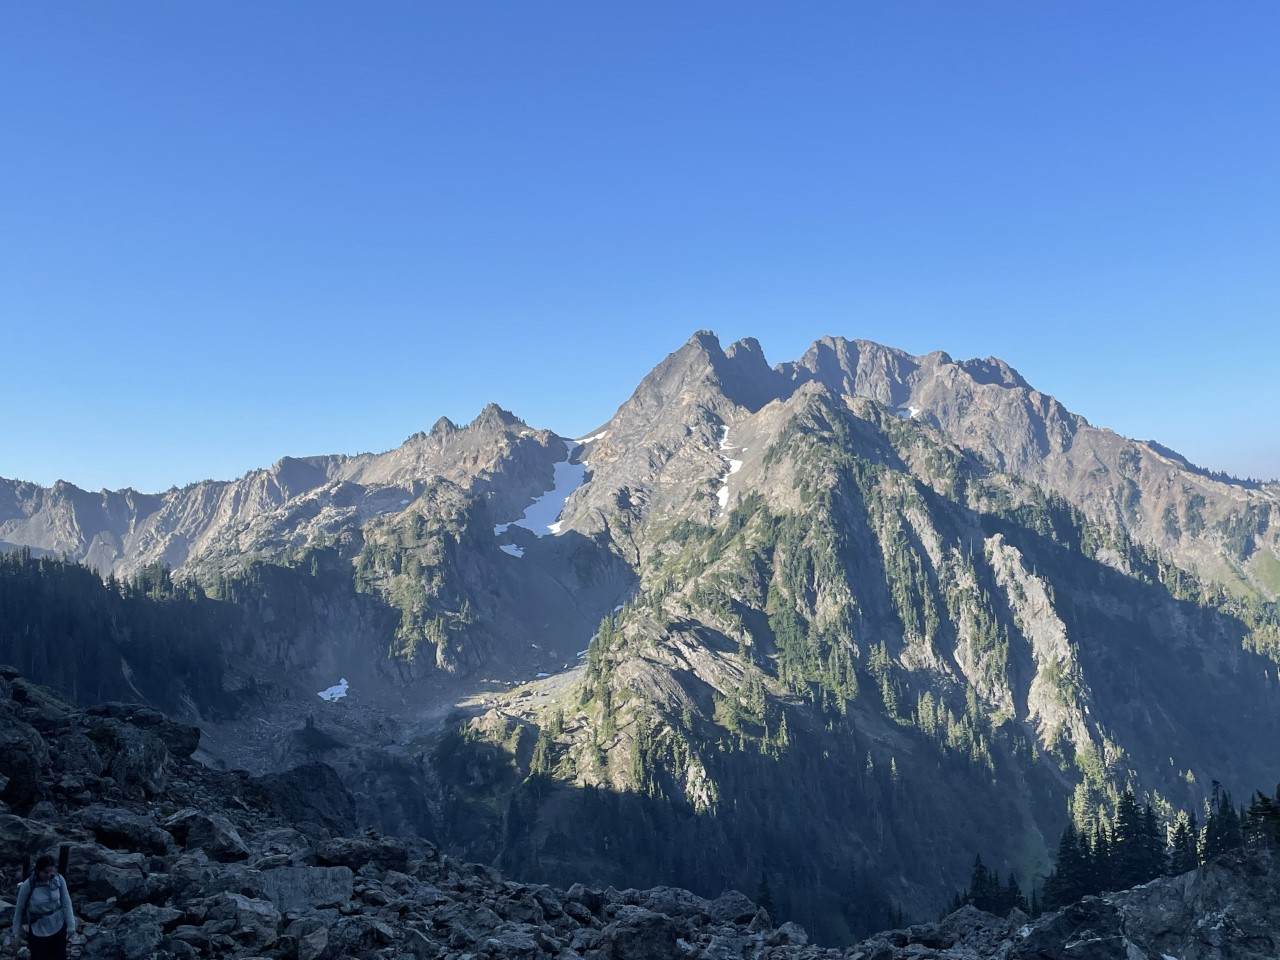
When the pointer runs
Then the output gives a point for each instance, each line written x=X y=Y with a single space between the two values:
x=168 y=859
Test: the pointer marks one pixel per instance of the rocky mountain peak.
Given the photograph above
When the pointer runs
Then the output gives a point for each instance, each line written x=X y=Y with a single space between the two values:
x=443 y=427
x=859 y=368
x=493 y=419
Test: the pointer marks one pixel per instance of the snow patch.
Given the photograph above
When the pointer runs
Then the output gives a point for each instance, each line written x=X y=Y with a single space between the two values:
x=722 y=495
x=512 y=549
x=599 y=436
x=404 y=503
x=542 y=516
x=336 y=692
x=541 y=676
x=908 y=413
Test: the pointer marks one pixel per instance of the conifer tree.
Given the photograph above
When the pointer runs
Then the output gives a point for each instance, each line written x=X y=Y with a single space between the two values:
x=1222 y=826
x=1068 y=881
x=1100 y=860
x=1155 y=861
x=1262 y=822
x=1129 y=860
x=1182 y=858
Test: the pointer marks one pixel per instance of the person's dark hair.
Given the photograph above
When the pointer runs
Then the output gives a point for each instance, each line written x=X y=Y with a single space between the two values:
x=42 y=863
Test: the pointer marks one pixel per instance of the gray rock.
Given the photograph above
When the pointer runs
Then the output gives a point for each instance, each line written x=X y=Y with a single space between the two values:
x=211 y=832
x=673 y=901
x=312 y=944
x=789 y=934
x=418 y=946
x=131 y=756
x=304 y=888
x=24 y=760
x=254 y=921
x=21 y=838
x=130 y=940
x=354 y=934
x=732 y=907
x=638 y=934
x=84 y=857
x=76 y=754
x=119 y=829
x=512 y=944
x=356 y=852
x=107 y=881
x=179 y=739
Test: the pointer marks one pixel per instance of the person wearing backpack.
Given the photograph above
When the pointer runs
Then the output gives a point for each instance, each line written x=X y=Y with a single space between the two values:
x=44 y=904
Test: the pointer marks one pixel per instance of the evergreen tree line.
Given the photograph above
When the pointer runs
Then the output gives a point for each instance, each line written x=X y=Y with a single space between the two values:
x=1130 y=849
x=161 y=639
x=146 y=637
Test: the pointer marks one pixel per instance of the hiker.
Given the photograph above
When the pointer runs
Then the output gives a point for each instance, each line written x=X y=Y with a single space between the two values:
x=43 y=902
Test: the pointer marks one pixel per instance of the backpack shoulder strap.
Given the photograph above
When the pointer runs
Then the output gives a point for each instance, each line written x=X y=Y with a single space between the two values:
x=24 y=896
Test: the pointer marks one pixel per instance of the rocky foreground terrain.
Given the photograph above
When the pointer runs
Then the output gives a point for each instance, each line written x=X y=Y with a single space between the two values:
x=169 y=859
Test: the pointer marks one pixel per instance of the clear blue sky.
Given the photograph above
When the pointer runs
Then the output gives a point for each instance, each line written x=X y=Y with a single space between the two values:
x=232 y=231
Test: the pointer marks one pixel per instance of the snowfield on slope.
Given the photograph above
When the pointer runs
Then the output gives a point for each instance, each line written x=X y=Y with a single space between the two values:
x=542 y=516
x=722 y=495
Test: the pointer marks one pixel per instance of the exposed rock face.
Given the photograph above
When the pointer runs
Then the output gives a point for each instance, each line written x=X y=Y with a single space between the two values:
x=1222 y=527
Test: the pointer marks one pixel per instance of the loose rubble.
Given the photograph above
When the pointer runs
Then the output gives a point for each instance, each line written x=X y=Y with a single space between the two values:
x=169 y=860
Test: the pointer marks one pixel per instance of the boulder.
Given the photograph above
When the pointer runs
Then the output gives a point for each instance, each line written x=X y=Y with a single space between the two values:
x=305 y=888
x=106 y=881
x=790 y=934
x=312 y=944
x=22 y=838
x=211 y=832
x=77 y=755
x=253 y=922
x=638 y=934
x=355 y=852
x=511 y=944
x=673 y=901
x=132 y=940
x=83 y=858
x=121 y=830
x=194 y=876
x=24 y=762
x=419 y=947
x=132 y=757
x=360 y=933
x=731 y=907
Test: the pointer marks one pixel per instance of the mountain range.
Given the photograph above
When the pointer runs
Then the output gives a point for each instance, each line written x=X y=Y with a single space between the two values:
x=830 y=627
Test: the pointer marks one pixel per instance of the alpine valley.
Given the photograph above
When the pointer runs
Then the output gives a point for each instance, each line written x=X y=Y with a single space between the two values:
x=821 y=632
